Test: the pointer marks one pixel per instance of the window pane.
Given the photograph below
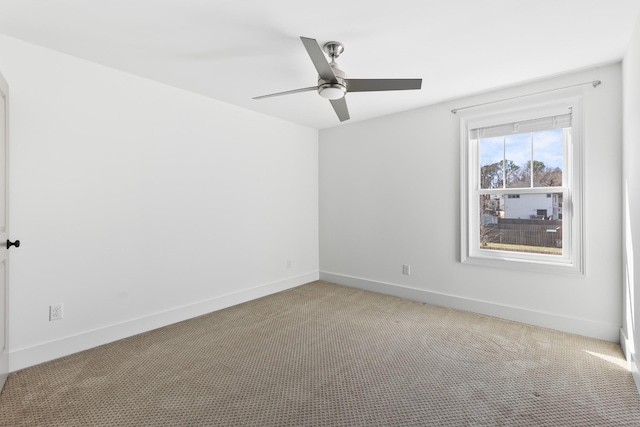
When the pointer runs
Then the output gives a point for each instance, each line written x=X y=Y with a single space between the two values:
x=511 y=157
x=530 y=223
x=491 y=156
x=547 y=158
x=517 y=158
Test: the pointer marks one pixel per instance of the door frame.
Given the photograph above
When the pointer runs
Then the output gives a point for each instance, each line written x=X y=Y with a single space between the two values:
x=4 y=311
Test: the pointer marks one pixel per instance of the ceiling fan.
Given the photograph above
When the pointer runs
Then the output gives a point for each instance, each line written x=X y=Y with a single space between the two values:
x=333 y=83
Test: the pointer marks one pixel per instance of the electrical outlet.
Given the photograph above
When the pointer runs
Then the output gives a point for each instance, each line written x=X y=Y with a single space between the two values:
x=289 y=263
x=406 y=269
x=55 y=312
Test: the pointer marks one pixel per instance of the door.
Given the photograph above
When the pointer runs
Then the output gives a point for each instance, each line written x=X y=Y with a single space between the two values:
x=4 y=288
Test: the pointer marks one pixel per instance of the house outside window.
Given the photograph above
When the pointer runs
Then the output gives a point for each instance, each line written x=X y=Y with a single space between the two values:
x=522 y=188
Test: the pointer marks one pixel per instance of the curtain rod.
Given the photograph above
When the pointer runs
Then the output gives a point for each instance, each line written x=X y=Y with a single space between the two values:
x=595 y=83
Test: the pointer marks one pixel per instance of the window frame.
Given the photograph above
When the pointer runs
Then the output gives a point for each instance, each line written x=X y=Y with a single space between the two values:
x=572 y=259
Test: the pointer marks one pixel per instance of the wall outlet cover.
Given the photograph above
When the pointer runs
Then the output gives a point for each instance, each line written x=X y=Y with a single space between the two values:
x=55 y=312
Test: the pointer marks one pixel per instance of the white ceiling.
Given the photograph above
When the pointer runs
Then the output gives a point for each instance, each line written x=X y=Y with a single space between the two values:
x=235 y=50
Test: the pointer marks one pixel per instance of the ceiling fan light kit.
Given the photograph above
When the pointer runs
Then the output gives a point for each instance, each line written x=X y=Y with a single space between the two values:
x=333 y=83
x=332 y=90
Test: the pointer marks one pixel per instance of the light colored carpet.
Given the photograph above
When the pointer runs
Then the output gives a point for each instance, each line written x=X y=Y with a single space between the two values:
x=327 y=355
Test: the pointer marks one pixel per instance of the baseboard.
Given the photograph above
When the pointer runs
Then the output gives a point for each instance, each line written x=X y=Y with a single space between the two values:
x=629 y=354
x=585 y=327
x=4 y=368
x=635 y=371
x=625 y=345
x=25 y=357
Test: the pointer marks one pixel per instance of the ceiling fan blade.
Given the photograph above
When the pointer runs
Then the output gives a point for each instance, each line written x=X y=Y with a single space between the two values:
x=340 y=107
x=319 y=60
x=369 y=85
x=289 y=92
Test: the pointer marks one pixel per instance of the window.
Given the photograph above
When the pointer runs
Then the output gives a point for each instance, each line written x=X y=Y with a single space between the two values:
x=522 y=191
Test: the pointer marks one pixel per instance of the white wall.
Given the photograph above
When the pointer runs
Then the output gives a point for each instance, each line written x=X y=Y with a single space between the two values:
x=390 y=195
x=631 y=198
x=139 y=205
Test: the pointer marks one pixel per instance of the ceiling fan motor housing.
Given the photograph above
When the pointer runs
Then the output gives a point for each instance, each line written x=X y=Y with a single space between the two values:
x=333 y=89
